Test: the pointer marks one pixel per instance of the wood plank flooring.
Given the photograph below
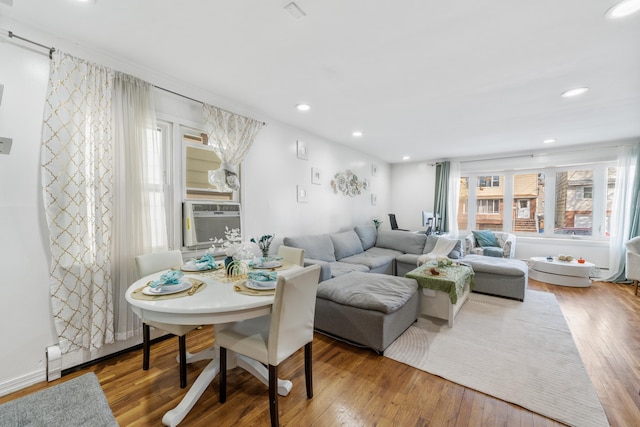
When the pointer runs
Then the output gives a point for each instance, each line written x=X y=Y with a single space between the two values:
x=355 y=387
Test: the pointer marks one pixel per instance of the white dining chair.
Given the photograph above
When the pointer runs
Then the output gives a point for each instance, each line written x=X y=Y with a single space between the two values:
x=273 y=338
x=291 y=255
x=149 y=264
x=633 y=261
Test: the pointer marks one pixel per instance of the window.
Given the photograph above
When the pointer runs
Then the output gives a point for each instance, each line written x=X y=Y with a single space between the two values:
x=488 y=181
x=489 y=206
x=574 y=202
x=155 y=180
x=528 y=202
x=488 y=200
x=200 y=158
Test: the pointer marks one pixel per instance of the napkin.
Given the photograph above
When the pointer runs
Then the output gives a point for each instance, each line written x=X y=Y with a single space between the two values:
x=205 y=263
x=262 y=276
x=259 y=262
x=171 y=277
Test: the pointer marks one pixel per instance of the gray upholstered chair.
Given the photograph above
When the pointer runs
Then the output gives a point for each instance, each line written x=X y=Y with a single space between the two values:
x=291 y=255
x=273 y=338
x=149 y=264
x=633 y=261
x=503 y=245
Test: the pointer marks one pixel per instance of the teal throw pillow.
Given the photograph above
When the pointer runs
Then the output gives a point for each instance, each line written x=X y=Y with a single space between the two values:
x=485 y=238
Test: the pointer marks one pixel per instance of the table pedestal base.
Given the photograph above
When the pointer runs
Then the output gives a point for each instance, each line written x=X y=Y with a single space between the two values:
x=176 y=415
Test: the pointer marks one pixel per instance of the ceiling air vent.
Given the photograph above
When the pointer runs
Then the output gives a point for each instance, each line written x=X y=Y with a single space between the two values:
x=295 y=11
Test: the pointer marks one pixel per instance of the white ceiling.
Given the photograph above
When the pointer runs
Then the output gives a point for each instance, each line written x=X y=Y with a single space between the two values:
x=432 y=80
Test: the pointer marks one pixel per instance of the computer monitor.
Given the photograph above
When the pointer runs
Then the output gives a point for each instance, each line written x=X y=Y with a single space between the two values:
x=427 y=219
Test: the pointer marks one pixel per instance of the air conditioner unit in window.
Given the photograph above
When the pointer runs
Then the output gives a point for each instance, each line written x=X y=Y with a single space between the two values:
x=205 y=220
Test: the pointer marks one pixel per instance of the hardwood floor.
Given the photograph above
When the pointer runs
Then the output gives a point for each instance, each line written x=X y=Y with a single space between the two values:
x=355 y=387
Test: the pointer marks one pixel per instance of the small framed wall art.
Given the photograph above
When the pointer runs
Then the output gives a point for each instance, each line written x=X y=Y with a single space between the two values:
x=374 y=200
x=316 y=176
x=303 y=194
x=302 y=150
x=374 y=169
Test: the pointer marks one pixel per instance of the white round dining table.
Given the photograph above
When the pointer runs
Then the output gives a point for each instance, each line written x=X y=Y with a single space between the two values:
x=216 y=303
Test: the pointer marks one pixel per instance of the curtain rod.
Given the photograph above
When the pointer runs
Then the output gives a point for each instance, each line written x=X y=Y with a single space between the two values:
x=192 y=99
x=12 y=35
x=541 y=154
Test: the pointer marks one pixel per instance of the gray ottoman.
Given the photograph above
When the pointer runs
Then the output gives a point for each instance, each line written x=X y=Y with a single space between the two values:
x=368 y=309
x=503 y=277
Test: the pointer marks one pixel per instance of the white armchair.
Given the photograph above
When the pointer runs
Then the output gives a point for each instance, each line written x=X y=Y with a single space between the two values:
x=633 y=261
x=506 y=243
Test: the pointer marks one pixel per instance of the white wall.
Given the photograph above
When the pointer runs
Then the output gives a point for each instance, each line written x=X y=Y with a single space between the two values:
x=25 y=314
x=412 y=192
x=269 y=178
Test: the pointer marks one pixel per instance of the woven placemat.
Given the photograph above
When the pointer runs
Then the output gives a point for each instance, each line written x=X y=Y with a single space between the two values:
x=198 y=284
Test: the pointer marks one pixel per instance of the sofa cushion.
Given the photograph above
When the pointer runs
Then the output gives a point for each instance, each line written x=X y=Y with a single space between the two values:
x=493 y=251
x=498 y=266
x=485 y=238
x=317 y=246
x=341 y=268
x=369 y=291
x=403 y=241
x=369 y=259
x=346 y=244
x=455 y=253
x=367 y=235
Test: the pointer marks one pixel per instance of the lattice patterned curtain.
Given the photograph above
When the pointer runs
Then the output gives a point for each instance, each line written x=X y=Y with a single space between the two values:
x=78 y=195
x=232 y=136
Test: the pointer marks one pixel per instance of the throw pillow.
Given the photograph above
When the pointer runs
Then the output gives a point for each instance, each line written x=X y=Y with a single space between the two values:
x=367 y=235
x=485 y=238
x=346 y=244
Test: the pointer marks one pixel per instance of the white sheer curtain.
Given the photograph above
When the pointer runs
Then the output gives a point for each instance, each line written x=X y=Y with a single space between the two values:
x=76 y=170
x=231 y=136
x=140 y=224
x=452 y=200
x=621 y=215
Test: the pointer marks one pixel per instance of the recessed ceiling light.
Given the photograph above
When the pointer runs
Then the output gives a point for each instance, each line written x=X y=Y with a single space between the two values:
x=406 y=157
x=357 y=133
x=623 y=8
x=574 y=92
x=303 y=107
x=549 y=141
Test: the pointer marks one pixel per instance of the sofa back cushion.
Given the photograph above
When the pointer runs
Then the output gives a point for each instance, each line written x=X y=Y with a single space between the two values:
x=403 y=241
x=346 y=244
x=367 y=235
x=455 y=253
x=317 y=246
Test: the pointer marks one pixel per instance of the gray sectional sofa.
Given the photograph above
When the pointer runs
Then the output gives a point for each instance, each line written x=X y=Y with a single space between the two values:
x=360 y=298
x=365 y=249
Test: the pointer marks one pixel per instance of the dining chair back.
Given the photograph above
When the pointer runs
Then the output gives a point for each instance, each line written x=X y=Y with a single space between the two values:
x=291 y=255
x=153 y=263
x=273 y=338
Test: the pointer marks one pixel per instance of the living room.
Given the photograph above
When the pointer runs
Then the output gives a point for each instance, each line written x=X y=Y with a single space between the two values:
x=271 y=174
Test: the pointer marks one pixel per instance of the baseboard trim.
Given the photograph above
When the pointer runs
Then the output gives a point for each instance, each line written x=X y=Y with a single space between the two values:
x=24 y=381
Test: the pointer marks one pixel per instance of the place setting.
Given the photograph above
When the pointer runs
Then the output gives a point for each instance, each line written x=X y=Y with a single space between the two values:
x=258 y=283
x=171 y=284
x=204 y=264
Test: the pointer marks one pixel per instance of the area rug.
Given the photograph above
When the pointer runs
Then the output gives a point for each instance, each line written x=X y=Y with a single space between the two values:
x=79 y=402
x=519 y=352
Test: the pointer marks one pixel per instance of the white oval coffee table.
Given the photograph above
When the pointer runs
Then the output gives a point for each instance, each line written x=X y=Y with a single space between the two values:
x=563 y=273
